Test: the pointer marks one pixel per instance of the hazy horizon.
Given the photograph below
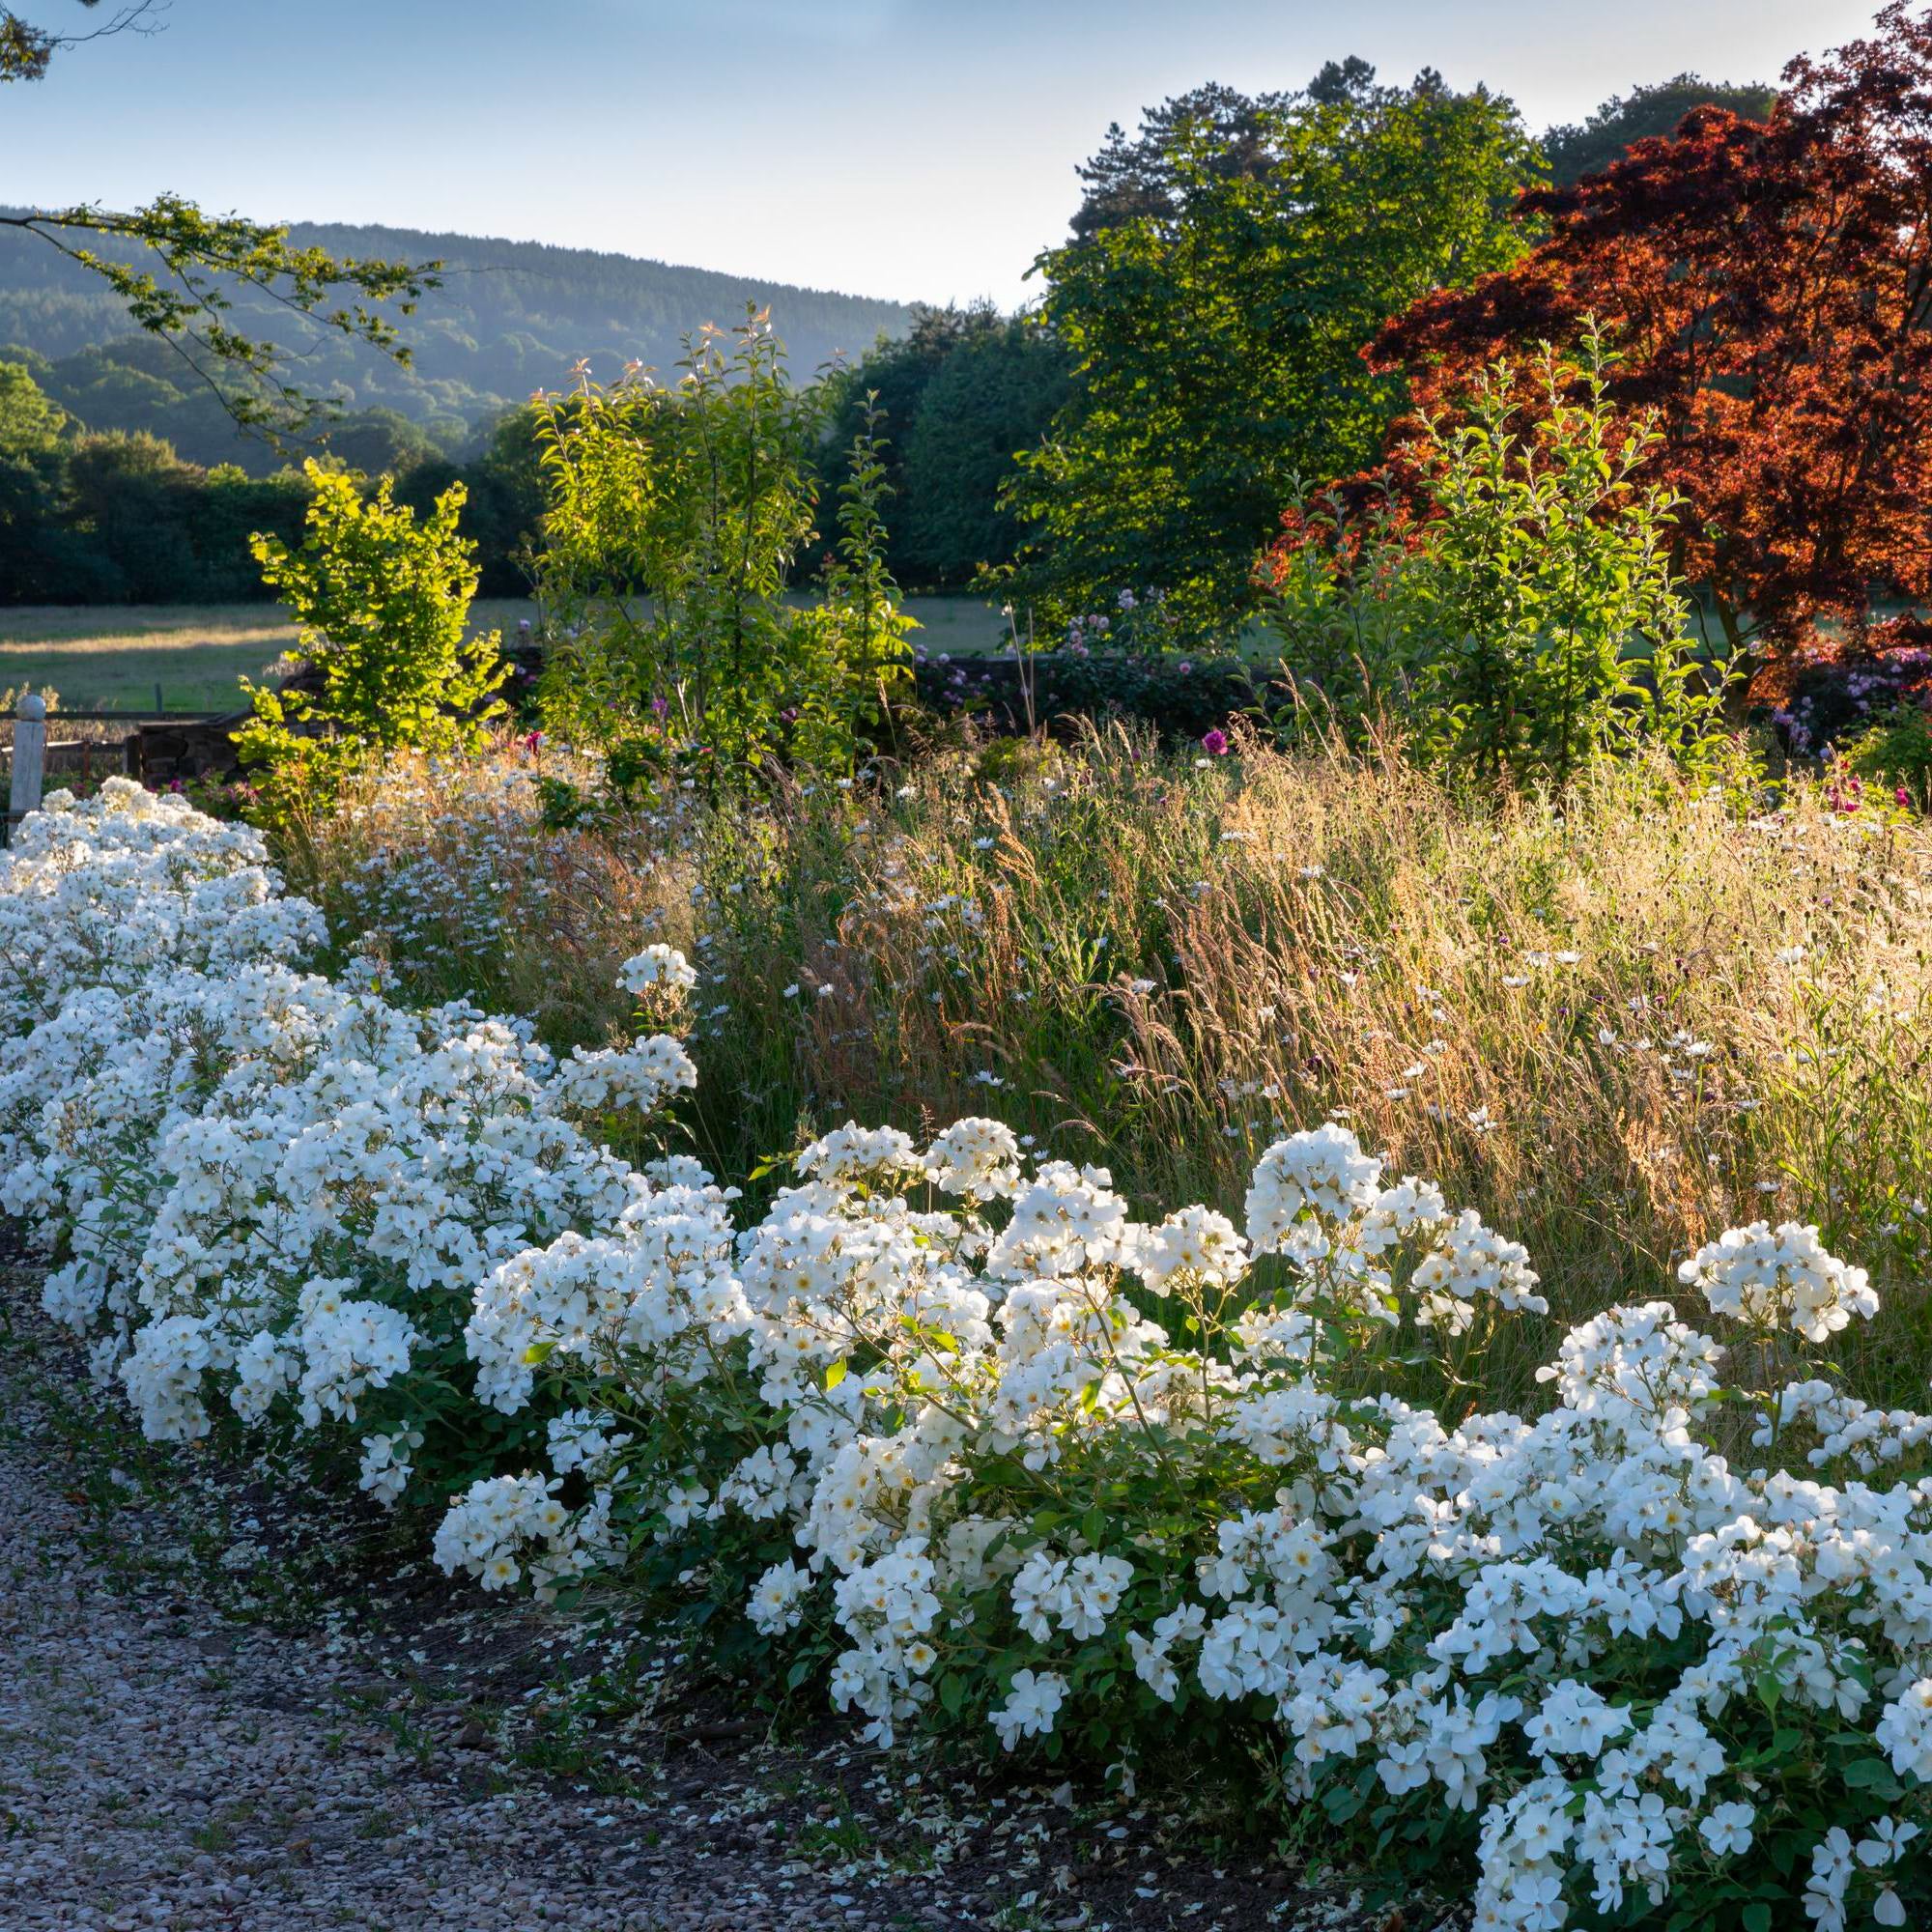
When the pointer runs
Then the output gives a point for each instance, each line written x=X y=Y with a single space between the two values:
x=883 y=147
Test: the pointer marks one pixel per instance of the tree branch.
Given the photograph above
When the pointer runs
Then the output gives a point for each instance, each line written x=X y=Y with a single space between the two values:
x=190 y=310
x=25 y=50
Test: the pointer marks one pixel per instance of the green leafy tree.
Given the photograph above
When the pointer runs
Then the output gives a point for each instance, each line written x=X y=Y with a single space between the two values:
x=226 y=513
x=893 y=377
x=960 y=392
x=34 y=443
x=505 y=507
x=678 y=516
x=183 y=284
x=1216 y=336
x=145 y=527
x=995 y=395
x=379 y=441
x=1146 y=177
x=382 y=601
x=506 y=484
x=1625 y=119
x=132 y=507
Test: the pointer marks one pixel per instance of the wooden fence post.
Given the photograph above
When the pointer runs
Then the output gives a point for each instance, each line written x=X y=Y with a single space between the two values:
x=30 y=752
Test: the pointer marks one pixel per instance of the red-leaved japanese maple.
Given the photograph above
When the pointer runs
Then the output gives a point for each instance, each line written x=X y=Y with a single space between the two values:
x=1767 y=284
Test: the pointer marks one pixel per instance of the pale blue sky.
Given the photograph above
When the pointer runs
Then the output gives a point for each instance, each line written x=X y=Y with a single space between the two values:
x=917 y=149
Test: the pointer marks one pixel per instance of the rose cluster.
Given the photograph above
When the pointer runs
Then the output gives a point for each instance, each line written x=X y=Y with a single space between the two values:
x=266 y=1190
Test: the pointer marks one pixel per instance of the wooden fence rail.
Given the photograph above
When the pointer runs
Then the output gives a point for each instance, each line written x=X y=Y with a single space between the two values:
x=143 y=716
x=32 y=756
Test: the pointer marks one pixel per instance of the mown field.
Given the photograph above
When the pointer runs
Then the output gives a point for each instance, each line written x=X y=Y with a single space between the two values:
x=191 y=656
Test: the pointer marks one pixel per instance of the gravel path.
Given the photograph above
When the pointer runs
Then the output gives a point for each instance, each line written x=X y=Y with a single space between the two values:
x=168 y=1763
x=175 y=1771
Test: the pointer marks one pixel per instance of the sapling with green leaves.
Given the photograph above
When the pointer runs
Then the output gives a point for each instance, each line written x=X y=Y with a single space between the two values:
x=1505 y=596
x=382 y=602
x=856 y=636
x=680 y=517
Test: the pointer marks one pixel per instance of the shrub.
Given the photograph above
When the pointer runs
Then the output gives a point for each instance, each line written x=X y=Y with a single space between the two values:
x=1068 y=692
x=1895 y=750
x=1513 y=608
x=382 y=602
x=676 y=519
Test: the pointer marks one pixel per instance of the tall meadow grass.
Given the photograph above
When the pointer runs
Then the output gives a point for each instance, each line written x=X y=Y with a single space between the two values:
x=1616 y=1021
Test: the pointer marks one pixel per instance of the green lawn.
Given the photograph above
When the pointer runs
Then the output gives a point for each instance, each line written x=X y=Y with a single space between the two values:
x=117 y=657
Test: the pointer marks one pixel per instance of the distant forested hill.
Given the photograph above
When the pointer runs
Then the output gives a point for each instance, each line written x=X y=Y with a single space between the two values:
x=511 y=317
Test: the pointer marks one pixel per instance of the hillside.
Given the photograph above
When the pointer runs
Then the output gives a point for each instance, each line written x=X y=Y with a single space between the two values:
x=511 y=317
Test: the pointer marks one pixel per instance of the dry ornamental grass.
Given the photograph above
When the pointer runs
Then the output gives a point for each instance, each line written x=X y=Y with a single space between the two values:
x=1615 y=1024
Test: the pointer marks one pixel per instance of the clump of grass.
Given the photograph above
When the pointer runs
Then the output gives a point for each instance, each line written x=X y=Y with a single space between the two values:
x=1615 y=1022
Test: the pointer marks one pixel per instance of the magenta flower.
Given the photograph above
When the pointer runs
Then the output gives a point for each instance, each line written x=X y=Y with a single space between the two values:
x=1215 y=743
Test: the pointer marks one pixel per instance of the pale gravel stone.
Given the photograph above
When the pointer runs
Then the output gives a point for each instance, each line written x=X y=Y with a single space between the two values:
x=140 y=1787
x=162 y=1768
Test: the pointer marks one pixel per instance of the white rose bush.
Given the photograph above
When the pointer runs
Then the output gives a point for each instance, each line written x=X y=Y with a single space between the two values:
x=949 y=1429
x=269 y=1193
